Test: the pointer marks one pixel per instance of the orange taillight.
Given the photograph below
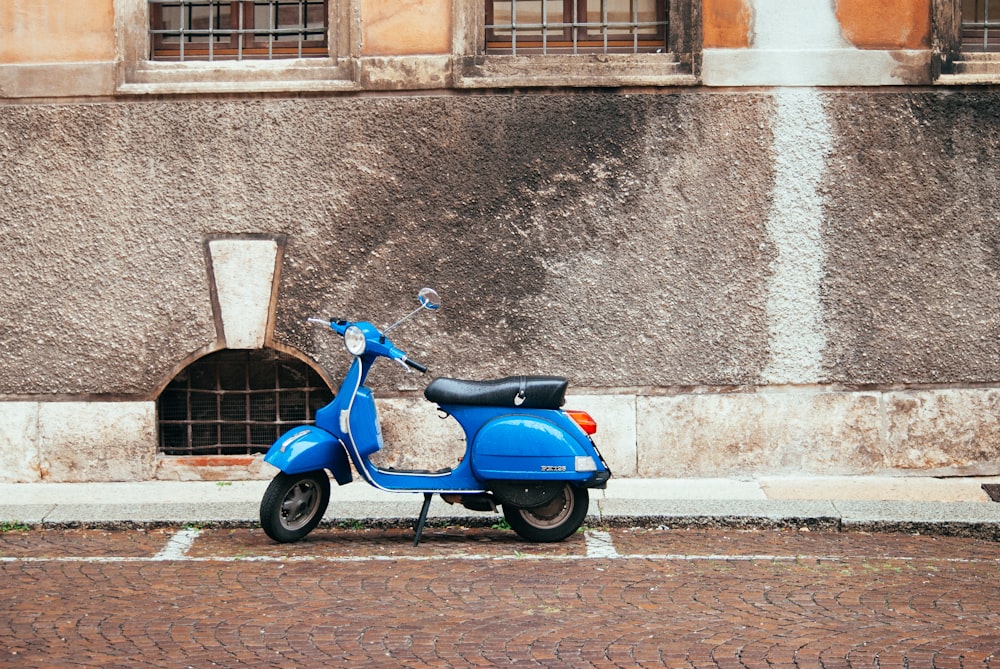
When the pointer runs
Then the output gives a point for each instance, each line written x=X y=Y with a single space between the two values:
x=583 y=419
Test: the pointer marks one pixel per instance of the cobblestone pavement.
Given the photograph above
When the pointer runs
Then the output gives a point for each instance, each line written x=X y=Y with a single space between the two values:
x=181 y=597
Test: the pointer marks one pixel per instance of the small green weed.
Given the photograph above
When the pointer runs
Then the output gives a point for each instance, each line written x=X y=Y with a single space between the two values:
x=13 y=527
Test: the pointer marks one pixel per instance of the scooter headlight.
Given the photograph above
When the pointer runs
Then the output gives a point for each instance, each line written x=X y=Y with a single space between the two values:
x=355 y=340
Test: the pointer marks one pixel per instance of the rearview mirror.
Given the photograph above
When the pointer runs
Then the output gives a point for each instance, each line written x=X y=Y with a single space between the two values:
x=429 y=299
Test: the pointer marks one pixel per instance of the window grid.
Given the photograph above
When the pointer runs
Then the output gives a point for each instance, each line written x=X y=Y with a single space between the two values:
x=570 y=31
x=184 y=30
x=237 y=403
x=981 y=25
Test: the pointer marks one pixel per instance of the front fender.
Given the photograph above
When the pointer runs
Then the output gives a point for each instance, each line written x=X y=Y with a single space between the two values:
x=307 y=449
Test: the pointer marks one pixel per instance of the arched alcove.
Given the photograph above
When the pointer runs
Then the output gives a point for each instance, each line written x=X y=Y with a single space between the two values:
x=237 y=402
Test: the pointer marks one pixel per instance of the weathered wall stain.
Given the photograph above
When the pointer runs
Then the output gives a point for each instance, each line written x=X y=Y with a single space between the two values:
x=727 y=24
x=620 y=240
x=886 y=24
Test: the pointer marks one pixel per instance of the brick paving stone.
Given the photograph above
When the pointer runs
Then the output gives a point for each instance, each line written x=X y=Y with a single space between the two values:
x=476 y=599
x=82 y=542
x=785 y=542
x=384 y=542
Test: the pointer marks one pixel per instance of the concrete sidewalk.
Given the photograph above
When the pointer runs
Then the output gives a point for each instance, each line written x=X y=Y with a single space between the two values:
x=918 y=504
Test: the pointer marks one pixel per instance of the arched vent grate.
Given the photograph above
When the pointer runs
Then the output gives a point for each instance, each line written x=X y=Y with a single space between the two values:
x=237 y=402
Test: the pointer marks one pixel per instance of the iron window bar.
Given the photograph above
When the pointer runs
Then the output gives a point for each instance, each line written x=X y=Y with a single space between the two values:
x=612 y=33
x=980 y=31
x=237 y=403
x=187 y=41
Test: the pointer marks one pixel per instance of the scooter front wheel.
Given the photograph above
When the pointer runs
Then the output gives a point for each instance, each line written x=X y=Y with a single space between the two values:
x=553 y=521
x=293 y=505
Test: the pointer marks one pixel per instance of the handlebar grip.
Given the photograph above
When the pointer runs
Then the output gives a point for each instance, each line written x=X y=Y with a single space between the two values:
x=416 y=365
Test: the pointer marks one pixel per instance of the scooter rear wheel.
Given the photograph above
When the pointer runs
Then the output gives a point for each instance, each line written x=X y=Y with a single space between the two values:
x=293 y=505
x=553 y=521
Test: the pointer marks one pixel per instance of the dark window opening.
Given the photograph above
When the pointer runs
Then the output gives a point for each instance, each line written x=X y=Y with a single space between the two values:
x=183 y=30
x=980 y=25
x=575 y=26
x=238 y=403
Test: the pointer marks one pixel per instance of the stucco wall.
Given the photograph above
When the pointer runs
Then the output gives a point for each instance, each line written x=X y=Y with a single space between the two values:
x=672 y=250
x=56 y=32
x=405 y=27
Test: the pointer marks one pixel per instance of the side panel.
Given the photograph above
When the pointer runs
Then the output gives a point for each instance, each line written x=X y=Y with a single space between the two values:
x=528 y=447
x=366 y=431
x=307 y=449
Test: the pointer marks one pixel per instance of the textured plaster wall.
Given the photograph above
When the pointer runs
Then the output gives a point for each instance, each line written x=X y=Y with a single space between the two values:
x=635 y=243
x=913 y=233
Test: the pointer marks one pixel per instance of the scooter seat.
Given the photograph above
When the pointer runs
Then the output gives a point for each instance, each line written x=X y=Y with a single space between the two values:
x=526 y=392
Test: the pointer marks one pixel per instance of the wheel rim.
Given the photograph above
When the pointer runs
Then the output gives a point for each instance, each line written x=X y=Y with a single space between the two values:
x=552 y=513
x=300 y=505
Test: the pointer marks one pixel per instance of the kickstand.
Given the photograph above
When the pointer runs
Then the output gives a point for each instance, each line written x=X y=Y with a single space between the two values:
x=423 y=517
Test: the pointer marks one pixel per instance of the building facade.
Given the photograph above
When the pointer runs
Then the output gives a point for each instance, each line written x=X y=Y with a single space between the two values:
x=758 y=236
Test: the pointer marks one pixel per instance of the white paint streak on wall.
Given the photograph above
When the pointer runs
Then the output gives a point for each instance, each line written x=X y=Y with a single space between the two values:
x=244 y=272
x=798 y=43
x=802 y=141
x=802 y=24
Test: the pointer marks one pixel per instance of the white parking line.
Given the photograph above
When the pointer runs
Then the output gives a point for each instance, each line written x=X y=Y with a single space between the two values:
x=658 y=557
x=600 y=545
x=179 y=545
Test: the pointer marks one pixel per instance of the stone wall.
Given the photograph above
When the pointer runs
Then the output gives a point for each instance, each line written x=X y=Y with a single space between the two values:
x=735 y=282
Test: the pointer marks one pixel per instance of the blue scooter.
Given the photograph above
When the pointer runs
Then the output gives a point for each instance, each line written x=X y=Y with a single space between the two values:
x=523 y=451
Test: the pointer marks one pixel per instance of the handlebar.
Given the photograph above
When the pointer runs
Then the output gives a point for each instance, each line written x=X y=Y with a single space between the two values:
x=416 y=365
x=383 y=346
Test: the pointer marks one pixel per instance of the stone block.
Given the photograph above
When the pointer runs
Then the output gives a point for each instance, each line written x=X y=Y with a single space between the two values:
x=19 y=461
x=956 y=430
x=97 y=441
x=739 y=434
x=616 y=436
x=243 y=272
x=416 y=437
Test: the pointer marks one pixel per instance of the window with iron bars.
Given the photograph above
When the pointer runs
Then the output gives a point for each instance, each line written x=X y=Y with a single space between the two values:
x=575 y=26
x=981 y=25
x=210 y=30
x=237 y=403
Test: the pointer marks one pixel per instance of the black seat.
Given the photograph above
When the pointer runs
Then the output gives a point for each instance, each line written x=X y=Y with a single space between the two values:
x=527 y=392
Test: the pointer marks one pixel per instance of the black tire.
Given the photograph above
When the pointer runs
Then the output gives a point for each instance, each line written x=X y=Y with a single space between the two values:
x=293 y=505
x=552 y=521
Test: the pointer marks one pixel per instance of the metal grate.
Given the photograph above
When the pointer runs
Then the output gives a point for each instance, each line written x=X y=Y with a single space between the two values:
x=981 y=25
x=237 y=403
x=575 y=26
x=185 y=30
